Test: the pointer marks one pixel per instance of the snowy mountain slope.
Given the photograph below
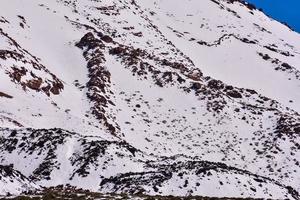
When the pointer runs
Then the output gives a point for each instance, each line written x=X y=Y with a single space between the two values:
x=86 y=78
x=13 y=182
x=54 y=157
x=236 y=39
x=194 y=178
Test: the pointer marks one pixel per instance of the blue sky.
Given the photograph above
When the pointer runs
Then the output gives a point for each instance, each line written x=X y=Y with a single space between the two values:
x=282 y=10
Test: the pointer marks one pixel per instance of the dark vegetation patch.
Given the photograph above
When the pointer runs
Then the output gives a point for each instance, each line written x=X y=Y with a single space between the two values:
x=70 y=192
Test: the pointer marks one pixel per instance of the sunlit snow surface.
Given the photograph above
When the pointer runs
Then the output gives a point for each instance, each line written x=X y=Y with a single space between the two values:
x=157 y=105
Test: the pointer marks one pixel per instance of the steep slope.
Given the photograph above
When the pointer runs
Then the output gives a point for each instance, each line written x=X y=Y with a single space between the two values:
x=104 y=94
x=54 y=157
x=13 y=182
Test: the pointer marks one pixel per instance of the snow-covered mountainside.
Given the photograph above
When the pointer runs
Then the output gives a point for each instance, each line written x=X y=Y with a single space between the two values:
x=12 y=181
x=155 y=97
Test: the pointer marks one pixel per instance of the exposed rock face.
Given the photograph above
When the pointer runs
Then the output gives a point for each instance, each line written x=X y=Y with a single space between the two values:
x=26 y=67
x=2 y=94
x=99 y=84
x=163 y=175
x=14 y=182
